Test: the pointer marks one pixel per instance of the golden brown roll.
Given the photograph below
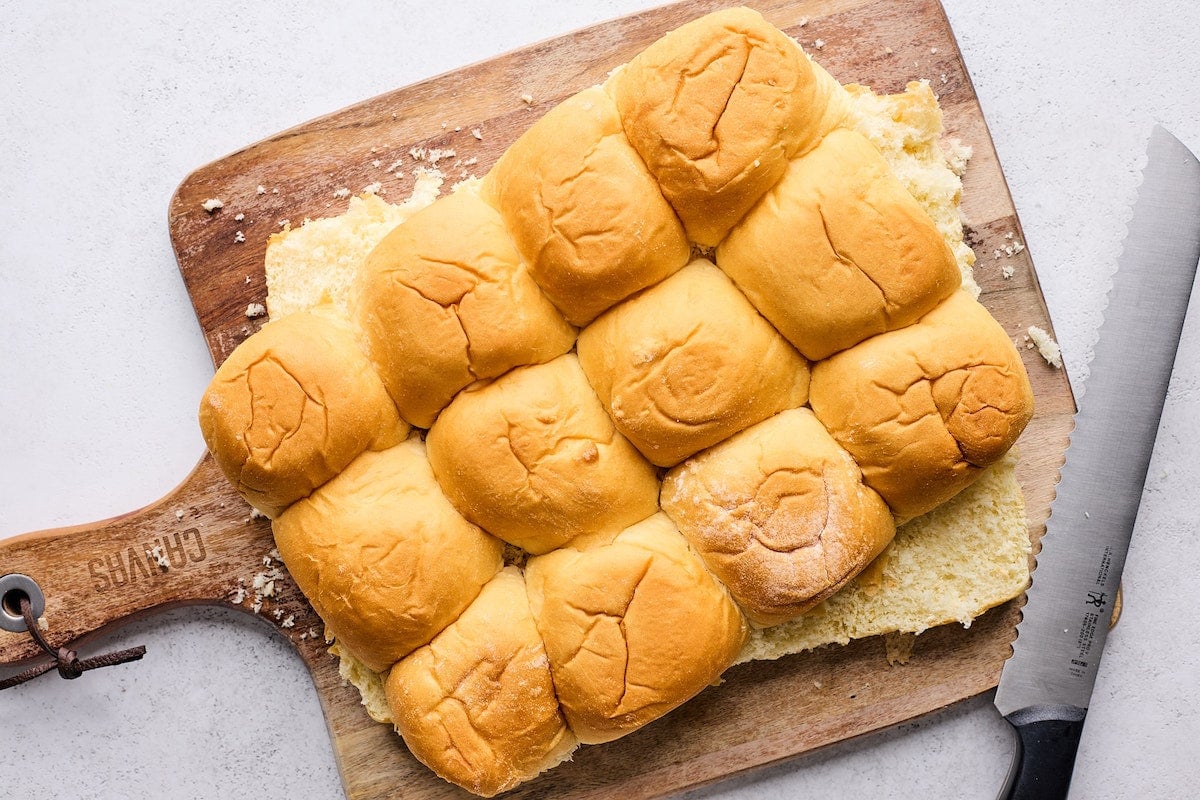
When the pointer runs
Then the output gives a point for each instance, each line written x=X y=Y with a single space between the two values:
x=534 y=459
x=444 y=300
x=633 y=625
x=688 y=362
x=589 y=219
x=716 y=108
x=839 y=250
x=925 y=408
x=383 y=557
x=292 y=406
x=780 y=514
x=477 y=704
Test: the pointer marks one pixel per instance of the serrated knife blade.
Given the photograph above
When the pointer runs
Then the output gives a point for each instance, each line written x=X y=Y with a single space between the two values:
x=1046 y=685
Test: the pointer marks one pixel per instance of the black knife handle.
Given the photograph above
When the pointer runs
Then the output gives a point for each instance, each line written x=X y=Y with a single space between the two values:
x=1048 y=738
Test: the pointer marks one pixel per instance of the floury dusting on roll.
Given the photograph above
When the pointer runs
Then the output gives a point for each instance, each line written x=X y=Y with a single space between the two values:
x=546 y=474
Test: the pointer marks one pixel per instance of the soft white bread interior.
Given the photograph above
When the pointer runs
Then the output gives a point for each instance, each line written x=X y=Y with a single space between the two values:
x=687 y=363
x=948 y=566
x=925 y=408
x=533 y=458
x=716 y=108
x=292 y=406
x=444 y=300
x=780 y=514
x=872 y=259
x=588 y=218
x=382 y=555
x=477 y=705
x=634 y=625
x=906 y=128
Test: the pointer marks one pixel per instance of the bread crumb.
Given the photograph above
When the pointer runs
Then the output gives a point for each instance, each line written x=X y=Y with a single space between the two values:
x=898 y=647
x=527 y=99
x=1046 y=346
x=1007 y=271
x=261 y=189
x=265 y=583
x=283 y=223
x=478 y=134
x=374 y=188
x=399 y=162
x=239 y=237
x=431 y=155
x=888 y=51
x=255 y=310
x=819 y=44
x=933 y=51
x=803 y=21
x=43 y=625
x=247 y=280
x=239 y=217
x=159 y=557
x=289 y=622
x=256 y=514
x=212 y=204
x=179 y=513
x=376 y=163
x=342 y=192
x=957 y=154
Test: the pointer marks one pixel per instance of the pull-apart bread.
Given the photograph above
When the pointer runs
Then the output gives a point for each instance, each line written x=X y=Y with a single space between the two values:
x=551 y=452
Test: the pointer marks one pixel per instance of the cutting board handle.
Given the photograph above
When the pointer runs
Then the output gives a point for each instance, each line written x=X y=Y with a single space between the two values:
x=190 y=547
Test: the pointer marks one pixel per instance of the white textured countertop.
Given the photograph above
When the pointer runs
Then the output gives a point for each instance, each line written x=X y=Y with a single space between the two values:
x=107 y=106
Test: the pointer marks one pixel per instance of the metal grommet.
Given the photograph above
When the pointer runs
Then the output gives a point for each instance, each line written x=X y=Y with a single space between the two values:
x=13 y=587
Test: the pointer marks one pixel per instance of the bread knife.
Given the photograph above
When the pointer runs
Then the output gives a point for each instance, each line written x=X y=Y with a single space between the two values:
x=1045 y=686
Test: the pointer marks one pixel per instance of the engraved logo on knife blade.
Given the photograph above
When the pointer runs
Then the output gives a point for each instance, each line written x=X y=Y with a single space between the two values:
x=1098 y=600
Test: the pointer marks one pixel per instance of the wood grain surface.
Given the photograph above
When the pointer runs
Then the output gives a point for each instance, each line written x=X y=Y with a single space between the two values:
x=96 y=576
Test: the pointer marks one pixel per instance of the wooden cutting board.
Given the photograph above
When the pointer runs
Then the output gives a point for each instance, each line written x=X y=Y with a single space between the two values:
x=99 y=575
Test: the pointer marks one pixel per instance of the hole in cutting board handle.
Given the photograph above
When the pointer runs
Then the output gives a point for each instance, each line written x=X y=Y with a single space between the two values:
x=11 y=602
x=13 y=588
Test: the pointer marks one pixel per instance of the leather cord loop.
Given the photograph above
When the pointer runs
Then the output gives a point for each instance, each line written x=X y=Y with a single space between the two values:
x=64 y=659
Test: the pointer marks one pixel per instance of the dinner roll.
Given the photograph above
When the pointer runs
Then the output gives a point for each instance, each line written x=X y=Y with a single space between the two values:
x=292 y=406
x=444 y=300
x=925 y=408
x=780 y=514
x=477 y=704
x=633 y=625
x=716 y=108
x=589 y=219
x=839 y=250
x=534 y=459
x=383 y=557
x=688 y=362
